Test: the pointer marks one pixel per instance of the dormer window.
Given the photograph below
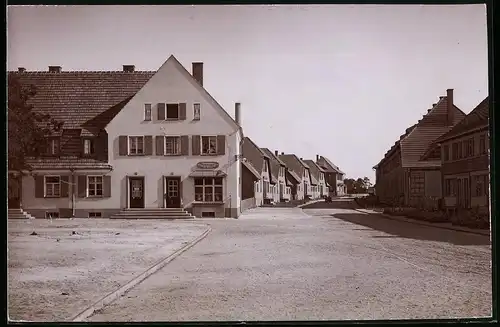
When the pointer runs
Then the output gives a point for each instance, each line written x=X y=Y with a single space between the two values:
x=53 y=146
x=88 y=147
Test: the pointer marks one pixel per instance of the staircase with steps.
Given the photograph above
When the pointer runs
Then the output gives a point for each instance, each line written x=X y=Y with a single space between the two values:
x=153 y=213
x=18 y=214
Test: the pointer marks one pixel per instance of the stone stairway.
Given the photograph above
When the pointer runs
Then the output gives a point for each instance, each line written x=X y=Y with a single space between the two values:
x=18 y=214
x=153 y=213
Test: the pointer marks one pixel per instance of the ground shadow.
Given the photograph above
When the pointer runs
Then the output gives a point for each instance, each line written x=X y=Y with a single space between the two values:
x=412 y=231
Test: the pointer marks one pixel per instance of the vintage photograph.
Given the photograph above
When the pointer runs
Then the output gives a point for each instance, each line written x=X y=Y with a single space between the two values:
x=248 y=163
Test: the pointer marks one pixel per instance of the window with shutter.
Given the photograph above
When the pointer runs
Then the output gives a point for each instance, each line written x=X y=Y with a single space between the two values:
x=208 y=145
x=52 y=186
x=136 y=145
x=95 y=186
x=172 y=111
x=172 y=145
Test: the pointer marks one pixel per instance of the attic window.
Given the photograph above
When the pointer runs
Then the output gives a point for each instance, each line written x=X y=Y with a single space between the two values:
x=196 y=111
x=172 y=111
x=147 y=112
x=53 y=146
x=88 y=147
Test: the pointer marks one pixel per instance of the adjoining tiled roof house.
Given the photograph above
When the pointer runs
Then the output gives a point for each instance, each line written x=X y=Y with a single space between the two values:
x=465 y=161
x=409 y=173
x=278 y=171
x=318 y=174
x=258 y=159
x=133 y=140
x=298 y=170
x=334 y=176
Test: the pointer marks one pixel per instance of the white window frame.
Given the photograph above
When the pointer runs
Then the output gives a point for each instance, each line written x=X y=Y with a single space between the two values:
x=212 y=186
x=201 y=145
x=149 y=107
x=53 y=195
x=143 y=145
x=95 y=187
x=178 y=110
x=87 y=143
x=54 y=146
x=178 y=145
x=196 y=111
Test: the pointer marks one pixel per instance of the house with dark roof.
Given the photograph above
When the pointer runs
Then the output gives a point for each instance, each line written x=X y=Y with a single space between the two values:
x=465 y=161
x=334 y=177
x=133 y=141
x=318 y=174
x=278 y=171
x=263 y=189
x=300 y=171
x=410 y=172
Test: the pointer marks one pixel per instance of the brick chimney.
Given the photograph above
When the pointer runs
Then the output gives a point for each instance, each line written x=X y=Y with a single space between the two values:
x=55 y=69
x=129 y=68
x=21 y=69
x=237 y=113
x=317 y=157
x=198 y=72
x=450 y=108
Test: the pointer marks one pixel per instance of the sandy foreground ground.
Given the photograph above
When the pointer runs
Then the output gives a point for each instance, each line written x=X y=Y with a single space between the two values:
x=70 y=264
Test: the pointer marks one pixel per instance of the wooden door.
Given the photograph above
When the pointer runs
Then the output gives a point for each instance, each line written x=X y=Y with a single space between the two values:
x=136 y=192
x=172 y=192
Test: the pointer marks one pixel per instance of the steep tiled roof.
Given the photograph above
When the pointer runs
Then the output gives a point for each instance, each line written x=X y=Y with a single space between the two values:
x=253 y=153
x=275 y=163
x=477 y=118
x=314 y=169
x=294 y=164
x=328 y=166
x=83 y=98
x=428 y=129
x=251 y=168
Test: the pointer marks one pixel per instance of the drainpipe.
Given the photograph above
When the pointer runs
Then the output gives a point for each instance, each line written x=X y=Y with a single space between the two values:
x=73 y=200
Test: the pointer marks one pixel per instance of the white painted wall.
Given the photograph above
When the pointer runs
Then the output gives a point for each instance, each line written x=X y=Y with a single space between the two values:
x=170 y=84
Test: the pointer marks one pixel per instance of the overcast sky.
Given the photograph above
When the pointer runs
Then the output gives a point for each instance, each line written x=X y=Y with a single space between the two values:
x=343 y=81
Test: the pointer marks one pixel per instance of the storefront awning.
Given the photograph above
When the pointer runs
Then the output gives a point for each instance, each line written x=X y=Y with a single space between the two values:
x=207 y=173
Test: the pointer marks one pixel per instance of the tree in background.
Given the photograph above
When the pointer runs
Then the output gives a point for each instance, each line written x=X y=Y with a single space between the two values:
x=27 y=130
x=357 y=186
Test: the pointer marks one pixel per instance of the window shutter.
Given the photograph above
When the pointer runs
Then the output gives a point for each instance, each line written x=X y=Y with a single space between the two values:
x=161 y=111
x=148 y=145
x=39 y=186
x=122 y=145
x=106 y=187
x=184 y=145
x=160 y=145
x=196 y=146
x=221 y=144
x=182 y=111
x=82 y=186
x=64 y=186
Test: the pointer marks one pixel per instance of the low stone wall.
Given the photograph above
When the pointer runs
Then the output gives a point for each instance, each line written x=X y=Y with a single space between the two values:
x=247 y=204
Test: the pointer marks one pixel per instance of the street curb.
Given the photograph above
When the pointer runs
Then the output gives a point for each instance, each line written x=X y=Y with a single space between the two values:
x=111 y=297
x=308 y=203
x=423 y=223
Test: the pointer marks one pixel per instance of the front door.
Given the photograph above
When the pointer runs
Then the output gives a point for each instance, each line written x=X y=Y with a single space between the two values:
x=172 y=192
x=136 y=192
x=281 y=191
x=14 y=192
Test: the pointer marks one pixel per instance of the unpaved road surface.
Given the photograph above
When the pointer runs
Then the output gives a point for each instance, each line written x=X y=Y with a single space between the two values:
x=70 y=264
x=281 y=264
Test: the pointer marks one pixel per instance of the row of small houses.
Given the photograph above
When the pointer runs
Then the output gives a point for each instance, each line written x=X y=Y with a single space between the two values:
x=281 y=177
x=441 y=162
x=136 y=143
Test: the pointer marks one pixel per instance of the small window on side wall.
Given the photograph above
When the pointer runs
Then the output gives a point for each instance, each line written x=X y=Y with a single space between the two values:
x=88 y=147
x=196 y=111
x=147 y=112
